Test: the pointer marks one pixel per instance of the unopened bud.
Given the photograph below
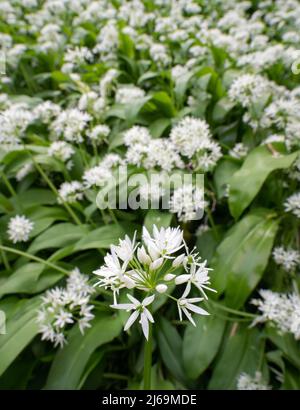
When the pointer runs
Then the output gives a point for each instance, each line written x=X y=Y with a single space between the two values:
x=161 y=288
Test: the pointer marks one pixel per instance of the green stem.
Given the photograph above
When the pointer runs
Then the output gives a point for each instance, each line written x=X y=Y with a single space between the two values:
x=34 y=258
x=55 y=191
x=233 y=311
x=5 y=260
x=8 y=185
x=148 y=360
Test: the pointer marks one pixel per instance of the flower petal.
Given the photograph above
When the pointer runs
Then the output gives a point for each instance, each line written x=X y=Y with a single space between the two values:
x=131 y=320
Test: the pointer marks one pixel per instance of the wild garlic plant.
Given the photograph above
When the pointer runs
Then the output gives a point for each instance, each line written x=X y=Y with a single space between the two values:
x=154 y=266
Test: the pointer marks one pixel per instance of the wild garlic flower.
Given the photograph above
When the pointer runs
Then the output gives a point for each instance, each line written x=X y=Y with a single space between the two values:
x=248 y=89
x=247 y=382
x=63 y=307
x=139 y=310
x=128 y=94
x=19 y=228
x=70 y=192
x=61 y=150
x=289 y=259
x=96 y=176
x=151 y=266
x=70 y=125
x=46 y=111
x=99 y=133
x=292 y=204
x=150 y=153
x=281 y=310
x=239 y=151
x=189 y=135
x=188 y=203
x=192 y=139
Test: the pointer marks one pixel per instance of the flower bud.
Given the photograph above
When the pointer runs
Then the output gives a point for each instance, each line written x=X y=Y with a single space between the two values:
x=182 y=279
x=156 y=264
x=178 y=261
x=161 y=288
x=169 y=276
x=143 y=257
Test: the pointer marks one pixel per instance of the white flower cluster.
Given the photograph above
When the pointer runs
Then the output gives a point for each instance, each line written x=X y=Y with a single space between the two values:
x=151 y=267
x=70 y=124
x=100 y=174
x=292 y=204
x=127 y=94
x=63 y=307
x=19 y=228
x=150 y=153
x=249 y=89
x=289 y=259
x=239 y=151
x=61 y=150
x=247 y=382
x=14 y=122
x=188 y=202
x=192 y=139
x=189 y=139
x=70 y=192
x=281 y=310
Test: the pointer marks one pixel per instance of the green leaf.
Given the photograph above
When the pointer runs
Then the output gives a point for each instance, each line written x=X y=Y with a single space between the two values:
x=34 y=197
x=29 y=278
x=158 y=218
x=158 y=127
x=181 y=86
x=101 y=238
x=287 y=344
x=21 y=328
x=222 y=175
x=221 y=109
x=69 y=363
x=170 y=346
x=242 y=257
x=58 y=235
x=247 y=181
x=208 y=241
x=241 y=353
x=164 y=104
x=201 y=343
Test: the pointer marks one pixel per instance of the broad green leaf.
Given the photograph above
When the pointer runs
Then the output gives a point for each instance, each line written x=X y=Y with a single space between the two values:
x=287 y=344
x=222 y=175
x=21 y=328
x=164 y=103
x=241 y=353
x=29 y=278
x=34 y=197
x=247 y=181
x=58 y=235
x=181 y=86
x=201 y=343
x=242 y=257
x=158 y=127
x=70 y=362
x=170 y=346
x=158 y=218
x=208 y=241
x=101 y=238
x=222 y=108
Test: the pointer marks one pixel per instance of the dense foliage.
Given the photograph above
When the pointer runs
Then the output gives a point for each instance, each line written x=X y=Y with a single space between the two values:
x=195 y=86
